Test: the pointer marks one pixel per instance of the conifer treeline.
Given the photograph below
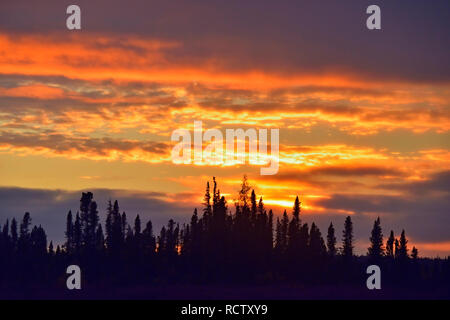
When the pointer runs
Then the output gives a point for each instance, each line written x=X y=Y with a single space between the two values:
x=218 y=245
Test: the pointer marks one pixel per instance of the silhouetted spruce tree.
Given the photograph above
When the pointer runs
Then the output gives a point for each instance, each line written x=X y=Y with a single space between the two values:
x=261 y=209
x=259 y=229
x=118 y=226
x=414 y=253
x=109 y=225
x=253 y=209
x=218 y=233
x=205 y=222
x=2 y=228
x=304 y=239
x=137 y=247
x=294 y=231
x=284 y=231
x=24 y=235
x=242 y=240
x=148 y=239
x=269 y=232
x=25 y=225
x=51 y=251
x=137 y=225
x=195 y=237
x=216 y=191
x=347 y=238
x=262 y=247
x=278 y=238
x=243 y=193
x=86 y=235
x=38 y=240
x=4 y=239
x=176 y=238
x=14 y=236
x=5 y=229
x=115 y=229
x=403 y=247
x=185 y=236
x=207 y=210
x=296 y=210
x=293 y=238
x=89 y=220
x=390 y=251
x=331 y=241
x=77 y=234
x=316 y=244
x=129 y=238
x=69 y=233
x=124 y=225
x=376 y=249
x=172 y=239
x=162 y=241
x=396 y=248
x=93 y=226
x=99 y=238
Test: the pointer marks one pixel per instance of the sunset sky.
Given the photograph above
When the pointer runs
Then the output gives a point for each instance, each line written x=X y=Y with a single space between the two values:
x=364 y=116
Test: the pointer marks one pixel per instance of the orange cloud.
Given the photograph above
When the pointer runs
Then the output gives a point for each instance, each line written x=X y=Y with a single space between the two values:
x=111 y=66
x=105 y=56
x=33 y=91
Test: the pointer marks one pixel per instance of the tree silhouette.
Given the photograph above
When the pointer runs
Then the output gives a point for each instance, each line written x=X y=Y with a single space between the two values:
x=390 y=245
x=109 y=225
x=294 y=241
x=77 y=234
x=316 y=242
x=403 y=248
x=87 y=236
x=396 y=248
x=25 y=226
x=51 y=251
x=69 y=245
x=137 y=225
x=148 y=239
x=347 y=238
x=24 y=235
x=207 y=211
x=221 y=246
x=303 y=238
x=99 y=238
x=376 y=249
x=284 y=231
x=123 y=226
x=331 y=241
x=414 y=253
x=14 y=235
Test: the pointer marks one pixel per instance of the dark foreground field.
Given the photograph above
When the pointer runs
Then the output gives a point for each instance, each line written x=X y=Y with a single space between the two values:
x=224 y=292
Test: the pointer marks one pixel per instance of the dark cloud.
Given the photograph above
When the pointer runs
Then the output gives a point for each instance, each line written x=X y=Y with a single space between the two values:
x=281 y=36
x=61 y=143
x=328 y=89
x=357 y=171
x=437 y=182
x=310 y=175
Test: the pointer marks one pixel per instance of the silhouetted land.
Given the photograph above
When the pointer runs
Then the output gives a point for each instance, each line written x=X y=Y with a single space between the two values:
x=221 y=254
